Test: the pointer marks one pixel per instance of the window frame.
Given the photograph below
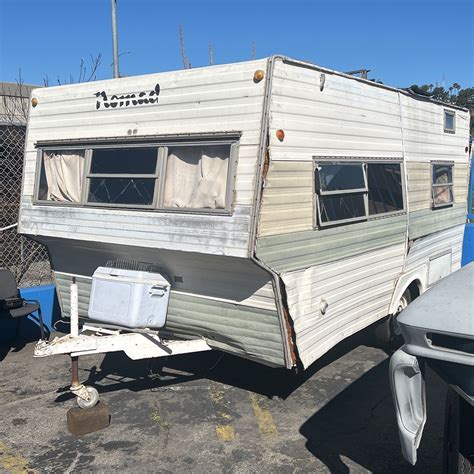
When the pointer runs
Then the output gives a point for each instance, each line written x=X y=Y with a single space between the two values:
x=162 y=147
x=365 y=161
x=39 y=164
x=453 y=114
x=434 y=163
x=88 y=176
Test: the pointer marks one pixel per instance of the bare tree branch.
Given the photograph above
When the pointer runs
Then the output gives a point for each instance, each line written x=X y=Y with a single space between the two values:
x=95 y=62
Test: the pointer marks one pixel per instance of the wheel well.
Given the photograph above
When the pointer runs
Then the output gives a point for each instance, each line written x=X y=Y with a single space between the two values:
x=415 y=289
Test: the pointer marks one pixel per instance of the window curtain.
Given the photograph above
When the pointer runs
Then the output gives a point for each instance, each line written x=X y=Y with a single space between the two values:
x=64 y=171
x=196 y=177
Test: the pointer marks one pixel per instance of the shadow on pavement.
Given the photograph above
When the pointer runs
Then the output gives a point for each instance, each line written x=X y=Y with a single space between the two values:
x=360 y=424
x=118 y=372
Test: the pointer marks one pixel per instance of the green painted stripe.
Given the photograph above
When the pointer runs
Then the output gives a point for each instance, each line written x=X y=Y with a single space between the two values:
x=427 y=221
x=301 y=250
x=242 y=330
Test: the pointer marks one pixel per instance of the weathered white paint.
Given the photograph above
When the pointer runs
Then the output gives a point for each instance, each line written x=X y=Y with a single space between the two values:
x=358 y=291
x=416 y=266
x=348 y=117
x=206 y=100
x=135 y=345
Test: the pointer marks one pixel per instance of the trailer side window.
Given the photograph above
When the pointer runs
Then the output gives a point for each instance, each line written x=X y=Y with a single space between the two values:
x=123 y=176
x=341 y=190
x=350 y=192
x=442 y=185
x=449 y=121
x=197 y=176
x=61 y=176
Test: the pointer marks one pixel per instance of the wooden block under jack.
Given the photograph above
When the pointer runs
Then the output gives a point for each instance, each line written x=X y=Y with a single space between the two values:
x=84 y=421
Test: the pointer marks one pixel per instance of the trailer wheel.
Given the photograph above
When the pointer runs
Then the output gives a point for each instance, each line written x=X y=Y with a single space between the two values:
x=93 y=400
x=458 y=451
x=387 y=332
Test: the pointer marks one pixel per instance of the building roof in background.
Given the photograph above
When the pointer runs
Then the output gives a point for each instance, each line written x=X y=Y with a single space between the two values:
x=14 y=102
x=12 y=89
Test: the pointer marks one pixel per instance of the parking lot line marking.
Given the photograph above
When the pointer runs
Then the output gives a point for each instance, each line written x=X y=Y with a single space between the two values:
x=13 y=463
x=224 y=429
x=225 y=432
x=266 y=424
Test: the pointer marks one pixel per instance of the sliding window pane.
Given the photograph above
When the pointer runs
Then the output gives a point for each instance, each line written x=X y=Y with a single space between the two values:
x=442 y=174
x=385 y=188
x=341 y=177
x=341 y=207
x=442 y=195
x=133 y=191
x=124 y=161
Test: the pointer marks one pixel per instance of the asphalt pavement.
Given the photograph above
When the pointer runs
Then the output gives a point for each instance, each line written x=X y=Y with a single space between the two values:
x=212 y=412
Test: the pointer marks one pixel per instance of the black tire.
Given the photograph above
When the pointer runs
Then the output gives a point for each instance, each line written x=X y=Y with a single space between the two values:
x=458 y=445
x=384 y=331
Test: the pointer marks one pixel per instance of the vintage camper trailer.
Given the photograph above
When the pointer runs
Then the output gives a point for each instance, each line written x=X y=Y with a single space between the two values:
x=286 y=205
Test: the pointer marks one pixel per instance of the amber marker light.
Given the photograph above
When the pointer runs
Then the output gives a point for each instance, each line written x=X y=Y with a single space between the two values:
x=34 y=101
x=280 y=135
x=258 y=75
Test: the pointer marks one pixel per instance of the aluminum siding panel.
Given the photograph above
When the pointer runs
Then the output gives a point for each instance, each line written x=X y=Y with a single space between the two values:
x=235 y=327
x=206 y=100
x=287 y=201
x=358 y=291
x=423 y=132
x=301 y=250
x=346 y=118
x=427 y=221
x=435 y=244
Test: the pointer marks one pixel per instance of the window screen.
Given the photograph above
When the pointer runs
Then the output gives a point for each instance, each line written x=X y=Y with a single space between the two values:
x=385 y=188
x=442 y=186
x=123 y=176
x=196 y=177
x=61 y=176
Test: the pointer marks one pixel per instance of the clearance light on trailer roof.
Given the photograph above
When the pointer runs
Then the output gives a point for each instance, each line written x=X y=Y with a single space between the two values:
x=258 y=75
x=34 y=101
x=280 y=134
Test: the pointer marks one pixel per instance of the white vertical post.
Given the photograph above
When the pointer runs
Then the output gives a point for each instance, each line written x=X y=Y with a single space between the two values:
x=74 y=309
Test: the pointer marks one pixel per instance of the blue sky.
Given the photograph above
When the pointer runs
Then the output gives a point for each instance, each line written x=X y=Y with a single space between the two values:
x=401 y=41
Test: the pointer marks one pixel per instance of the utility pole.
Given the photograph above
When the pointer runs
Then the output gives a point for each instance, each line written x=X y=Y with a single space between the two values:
x=115 y=39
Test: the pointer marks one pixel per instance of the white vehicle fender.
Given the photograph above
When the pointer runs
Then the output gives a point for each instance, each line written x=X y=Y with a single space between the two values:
x=408 y=391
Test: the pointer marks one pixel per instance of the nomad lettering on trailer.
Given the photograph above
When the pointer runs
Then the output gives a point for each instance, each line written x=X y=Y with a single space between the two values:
x=125 y=100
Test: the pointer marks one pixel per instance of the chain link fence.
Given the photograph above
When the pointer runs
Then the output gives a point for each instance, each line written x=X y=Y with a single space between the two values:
x=27 y=259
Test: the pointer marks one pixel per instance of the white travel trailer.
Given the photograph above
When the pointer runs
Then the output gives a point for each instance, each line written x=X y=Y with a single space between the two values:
x=287 y=205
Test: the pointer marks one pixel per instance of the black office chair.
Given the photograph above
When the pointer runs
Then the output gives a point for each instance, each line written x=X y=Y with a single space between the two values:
x=12 y=306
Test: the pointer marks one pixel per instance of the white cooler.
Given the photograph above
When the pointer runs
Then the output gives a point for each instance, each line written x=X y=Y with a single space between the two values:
x=129 y=298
